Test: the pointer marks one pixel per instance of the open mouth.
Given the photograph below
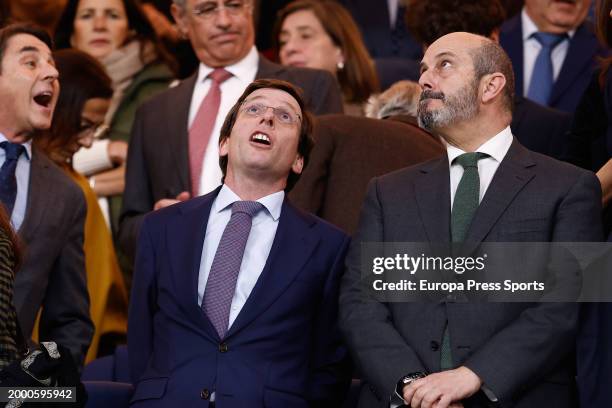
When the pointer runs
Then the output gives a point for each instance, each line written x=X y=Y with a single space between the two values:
x=261 y=138
x=43 y=99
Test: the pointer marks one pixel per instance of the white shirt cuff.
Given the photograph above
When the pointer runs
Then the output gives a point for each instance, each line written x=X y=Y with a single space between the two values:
x=88 y=161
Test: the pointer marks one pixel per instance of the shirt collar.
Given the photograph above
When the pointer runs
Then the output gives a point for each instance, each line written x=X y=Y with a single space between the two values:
x=244 y=70
x=226 y=197
x=27 y=145
x=496 y=147
x=529 y=27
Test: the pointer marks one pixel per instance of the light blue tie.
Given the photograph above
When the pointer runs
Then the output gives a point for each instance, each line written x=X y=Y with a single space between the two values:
x=542 y=76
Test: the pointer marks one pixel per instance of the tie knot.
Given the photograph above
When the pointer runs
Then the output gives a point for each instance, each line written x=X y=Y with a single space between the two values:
x=247 y=207
x=469 y=159
x=13 y=150
x=219 y=75
x=548 y=40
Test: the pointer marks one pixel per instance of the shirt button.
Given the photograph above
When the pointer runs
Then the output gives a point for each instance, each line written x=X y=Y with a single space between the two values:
x=205 y=394
x=223 y=348
x=434 y=345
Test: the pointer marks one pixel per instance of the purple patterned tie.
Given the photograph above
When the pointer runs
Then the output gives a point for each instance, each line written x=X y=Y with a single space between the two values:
x=225 y=267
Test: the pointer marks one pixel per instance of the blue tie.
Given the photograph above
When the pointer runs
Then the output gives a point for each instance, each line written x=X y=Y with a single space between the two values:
x=541 y=83
x=8 y=181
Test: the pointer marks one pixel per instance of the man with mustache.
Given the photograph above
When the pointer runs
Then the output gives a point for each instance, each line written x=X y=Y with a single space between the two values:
x=553 y=51
x=173 y=149
x=487 y=188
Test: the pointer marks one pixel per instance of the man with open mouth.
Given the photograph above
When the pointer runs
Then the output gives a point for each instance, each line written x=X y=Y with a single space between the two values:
x=46 y=207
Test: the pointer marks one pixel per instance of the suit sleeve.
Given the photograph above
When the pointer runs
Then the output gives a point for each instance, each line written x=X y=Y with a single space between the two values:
x=377 y=347
x=142 y=306
x=65 y=315
x=544 y=334
x=325 y=96
x=137 y=196
x=332 y=371
x=309 y=192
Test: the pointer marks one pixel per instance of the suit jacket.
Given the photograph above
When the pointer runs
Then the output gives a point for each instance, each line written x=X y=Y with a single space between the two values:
x=281 y=351
x=52 y=276
x=577 y=68
x=158 y=155
x=348 y=152
x=540 y=128
x=519 y=350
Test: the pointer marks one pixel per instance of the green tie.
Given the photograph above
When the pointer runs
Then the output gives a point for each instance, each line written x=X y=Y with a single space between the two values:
x=464 y=206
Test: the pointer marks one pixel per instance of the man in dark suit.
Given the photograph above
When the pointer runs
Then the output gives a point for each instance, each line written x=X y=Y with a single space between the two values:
x=241 y=315
x=537 y=127
x=45 y=206
x=165 y=162
x=349 y=151
x=572 y=57
x=446 y=353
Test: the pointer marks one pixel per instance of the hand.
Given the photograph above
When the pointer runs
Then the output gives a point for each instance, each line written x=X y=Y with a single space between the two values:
x=165 y=202
x=117 y=152
x=162 y=26
x=441 y=390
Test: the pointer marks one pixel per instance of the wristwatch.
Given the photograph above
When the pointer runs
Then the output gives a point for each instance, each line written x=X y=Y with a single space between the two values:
x=397 y=399
x=412 y=377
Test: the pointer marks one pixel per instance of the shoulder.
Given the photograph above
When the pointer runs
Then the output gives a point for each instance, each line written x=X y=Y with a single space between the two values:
x=58 y=177
x=330 y=233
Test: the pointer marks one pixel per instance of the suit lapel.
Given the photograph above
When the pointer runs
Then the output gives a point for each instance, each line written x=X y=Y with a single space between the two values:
x=177 y=134
x=293 y=244
x=511 y=39
x=511 y=176
x=433 y=199
x=40 y=192
x=185 y=241
x=580 y=53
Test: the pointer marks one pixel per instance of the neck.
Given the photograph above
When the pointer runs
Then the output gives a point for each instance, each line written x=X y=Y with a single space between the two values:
x=253 y=188
x=15 y=136
x=470 y=135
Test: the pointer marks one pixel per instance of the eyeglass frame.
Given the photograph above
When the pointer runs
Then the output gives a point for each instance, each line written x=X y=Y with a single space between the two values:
x=274 y=110
x=246 y=4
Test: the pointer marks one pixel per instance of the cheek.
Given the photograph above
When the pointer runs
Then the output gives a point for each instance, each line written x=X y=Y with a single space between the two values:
x=119 y=33
x=79 y=35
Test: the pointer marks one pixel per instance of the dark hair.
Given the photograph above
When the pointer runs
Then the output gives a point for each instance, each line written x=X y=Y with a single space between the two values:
x=81 y=77
x=6 y=231
x=12 y=30
x=305 y=142
x=603 y=30
x=358 y=78
x=137 y=22
x=489 y=58
x=4 y=13
x=429 y=20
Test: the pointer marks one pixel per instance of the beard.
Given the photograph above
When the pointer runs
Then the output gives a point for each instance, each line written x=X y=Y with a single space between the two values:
x=460 y=106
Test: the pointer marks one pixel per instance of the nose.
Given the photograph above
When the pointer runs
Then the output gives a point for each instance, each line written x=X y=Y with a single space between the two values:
x=268 y=116
x=86 y=140
x=290 y=46
x=50 y=73
x=99 y=22
x=426 y=80
x=222 y=18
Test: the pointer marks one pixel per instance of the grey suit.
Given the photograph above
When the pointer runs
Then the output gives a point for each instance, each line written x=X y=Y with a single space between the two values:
x=158 y=156
x=52 y=276
x=520 y=350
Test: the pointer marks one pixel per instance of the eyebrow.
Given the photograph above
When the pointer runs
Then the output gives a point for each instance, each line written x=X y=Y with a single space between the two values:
x=28 y=48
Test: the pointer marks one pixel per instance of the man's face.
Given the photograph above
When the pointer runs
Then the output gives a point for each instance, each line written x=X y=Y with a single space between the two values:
x=264 y=141
x=28 y=86
x=221 y=31
x=557 y=16
x=450 y=91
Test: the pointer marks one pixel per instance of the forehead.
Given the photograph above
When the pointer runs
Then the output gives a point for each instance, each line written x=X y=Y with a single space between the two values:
x=302 y=18
x=20 y=43
x=445 y=47
x=101 y=4
x=213 y=2
x=274 y=97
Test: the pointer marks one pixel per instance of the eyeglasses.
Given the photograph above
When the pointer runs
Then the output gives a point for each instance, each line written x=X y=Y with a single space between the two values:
x=97 y=131
x=208 y=10
x=284 y=116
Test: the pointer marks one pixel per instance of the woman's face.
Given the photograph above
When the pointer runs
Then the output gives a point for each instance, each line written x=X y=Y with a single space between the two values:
x=92 y=126
x=100 y=27
x=305 y=43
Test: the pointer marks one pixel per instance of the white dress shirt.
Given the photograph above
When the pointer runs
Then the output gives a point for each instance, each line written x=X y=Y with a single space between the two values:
x=243 y=73
x=22 y=174
x=392 y=7
x=496 y=148
x=531 y=50
x=258 y=245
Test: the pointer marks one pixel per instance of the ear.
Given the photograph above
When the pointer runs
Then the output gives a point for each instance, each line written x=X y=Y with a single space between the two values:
x=223 y=147
x=492 y=86
x=298 y=164
x=495 y=35
x=179 y=15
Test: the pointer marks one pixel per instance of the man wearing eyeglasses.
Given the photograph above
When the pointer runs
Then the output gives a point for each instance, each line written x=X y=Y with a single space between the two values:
x=234 y=299
x=173 y=149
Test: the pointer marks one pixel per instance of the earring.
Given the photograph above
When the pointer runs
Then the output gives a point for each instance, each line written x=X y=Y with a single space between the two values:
x=340 y=65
